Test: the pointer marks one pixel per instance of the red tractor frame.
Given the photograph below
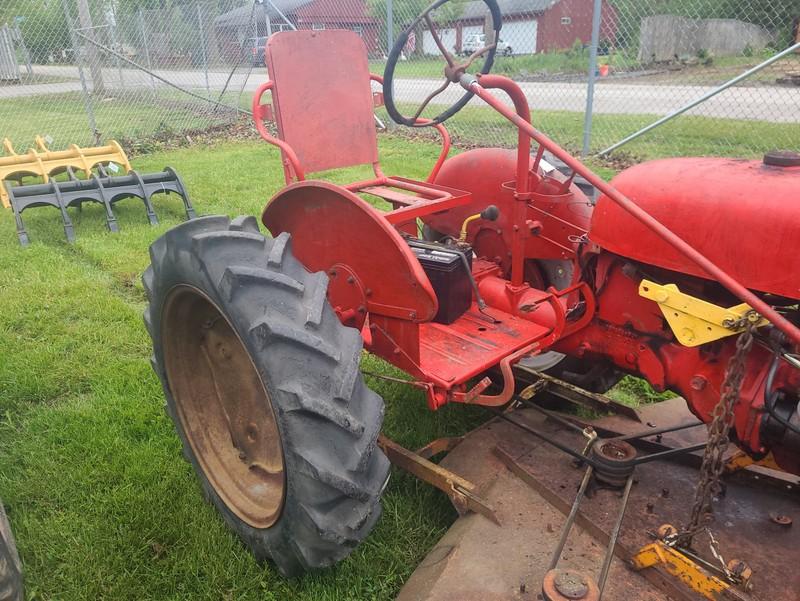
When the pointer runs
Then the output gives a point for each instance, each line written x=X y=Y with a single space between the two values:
x=656 y=278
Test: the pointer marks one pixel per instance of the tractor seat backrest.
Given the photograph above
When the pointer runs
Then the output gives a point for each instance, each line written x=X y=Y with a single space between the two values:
x=323 y=97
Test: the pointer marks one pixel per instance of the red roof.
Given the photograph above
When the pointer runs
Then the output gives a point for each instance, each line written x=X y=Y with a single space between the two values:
x=321 y=11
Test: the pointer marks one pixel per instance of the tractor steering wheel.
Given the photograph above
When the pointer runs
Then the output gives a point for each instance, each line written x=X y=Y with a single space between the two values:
x=452 y=71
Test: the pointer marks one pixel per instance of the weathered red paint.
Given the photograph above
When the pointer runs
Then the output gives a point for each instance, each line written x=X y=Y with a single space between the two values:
x=740 y=214
x=557 y=35
x=719 y=229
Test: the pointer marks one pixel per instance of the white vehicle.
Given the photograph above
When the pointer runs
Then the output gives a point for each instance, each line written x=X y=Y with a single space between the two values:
x=476 y=41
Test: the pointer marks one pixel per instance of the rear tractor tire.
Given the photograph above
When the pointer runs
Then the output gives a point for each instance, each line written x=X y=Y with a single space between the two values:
x=10 y=566
x=263 y=384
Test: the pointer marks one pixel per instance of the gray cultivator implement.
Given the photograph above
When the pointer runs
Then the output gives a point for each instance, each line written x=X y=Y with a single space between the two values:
x=103 y=189
x=101 y=182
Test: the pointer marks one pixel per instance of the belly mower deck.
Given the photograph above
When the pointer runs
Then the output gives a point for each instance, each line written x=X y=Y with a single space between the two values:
x=532 y=486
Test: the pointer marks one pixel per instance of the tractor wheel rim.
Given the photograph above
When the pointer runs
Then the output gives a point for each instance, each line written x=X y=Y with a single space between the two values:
x=223 y=407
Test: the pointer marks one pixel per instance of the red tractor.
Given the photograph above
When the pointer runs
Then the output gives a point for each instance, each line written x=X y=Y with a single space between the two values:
x=258 y=340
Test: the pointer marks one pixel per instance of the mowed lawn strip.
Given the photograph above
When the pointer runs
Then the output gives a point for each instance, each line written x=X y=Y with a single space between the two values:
x=102 y=502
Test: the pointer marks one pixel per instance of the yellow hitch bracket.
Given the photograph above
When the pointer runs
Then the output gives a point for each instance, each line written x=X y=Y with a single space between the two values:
x=693 y=320
x=684 y=569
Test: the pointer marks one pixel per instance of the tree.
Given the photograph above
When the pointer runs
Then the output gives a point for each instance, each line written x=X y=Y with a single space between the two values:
x=41 y=23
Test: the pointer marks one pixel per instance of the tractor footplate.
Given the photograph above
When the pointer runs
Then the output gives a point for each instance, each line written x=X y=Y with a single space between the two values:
x=472 y=343
x=103 y=189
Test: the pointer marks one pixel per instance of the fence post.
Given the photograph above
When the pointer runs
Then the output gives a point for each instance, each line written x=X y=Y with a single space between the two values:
x=76 y=51
x=204 y=47
x=143 y=32
x=589 y=116
x=112 y=27
x=389 y=26
x=95 y=66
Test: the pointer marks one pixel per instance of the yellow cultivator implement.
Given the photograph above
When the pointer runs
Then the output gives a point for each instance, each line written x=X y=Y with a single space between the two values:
x=43 y=163
x=107 y=179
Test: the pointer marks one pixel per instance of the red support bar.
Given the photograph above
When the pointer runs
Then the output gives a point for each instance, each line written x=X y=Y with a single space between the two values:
x=259 y=114
x=472 y=84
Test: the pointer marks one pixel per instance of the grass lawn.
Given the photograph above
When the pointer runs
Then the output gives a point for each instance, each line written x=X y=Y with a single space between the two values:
x=687 y=135
x=130 y=116
x=91 y=472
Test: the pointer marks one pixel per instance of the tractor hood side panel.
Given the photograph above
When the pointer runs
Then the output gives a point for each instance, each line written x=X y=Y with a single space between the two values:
x=743 y=215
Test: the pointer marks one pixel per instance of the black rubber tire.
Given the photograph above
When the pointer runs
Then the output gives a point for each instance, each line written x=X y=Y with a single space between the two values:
x=327 y=418
x=10 y=567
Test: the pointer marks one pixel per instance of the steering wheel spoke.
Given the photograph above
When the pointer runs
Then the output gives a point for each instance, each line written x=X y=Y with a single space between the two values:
x=452 y=71
x=430 y=97
x=435 y=34
x=479 y=53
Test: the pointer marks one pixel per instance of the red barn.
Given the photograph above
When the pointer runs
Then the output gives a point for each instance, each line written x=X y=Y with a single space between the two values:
x=338 y=14
x=235 y=27
x=531 y=26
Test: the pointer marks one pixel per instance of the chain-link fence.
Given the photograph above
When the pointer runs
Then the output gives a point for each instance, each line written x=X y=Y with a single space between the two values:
x=82 y=71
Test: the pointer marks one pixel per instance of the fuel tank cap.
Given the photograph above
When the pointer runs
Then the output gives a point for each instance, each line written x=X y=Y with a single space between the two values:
x=782 y=158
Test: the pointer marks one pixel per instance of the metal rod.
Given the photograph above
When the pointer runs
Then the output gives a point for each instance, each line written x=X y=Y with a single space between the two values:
x=146 y=49
x=612 y=542
x=557 y=418
x=389 y=25
x=589 y=116
x=284 y=17
x=168 y=82
x=571 y=518
x=668 y=453
x=87 y=100
x=664 y=430
x=703 y=98
x=204 y=46
x=471 y=84
x=565 y=449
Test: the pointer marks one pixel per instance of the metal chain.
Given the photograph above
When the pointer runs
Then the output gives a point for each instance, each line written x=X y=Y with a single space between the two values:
x=723 y=417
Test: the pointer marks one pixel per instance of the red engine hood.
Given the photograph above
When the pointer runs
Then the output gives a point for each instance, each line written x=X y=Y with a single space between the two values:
x=743 y=215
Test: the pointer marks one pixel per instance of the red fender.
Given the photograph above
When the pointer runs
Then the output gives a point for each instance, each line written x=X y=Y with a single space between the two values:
x=372 y=269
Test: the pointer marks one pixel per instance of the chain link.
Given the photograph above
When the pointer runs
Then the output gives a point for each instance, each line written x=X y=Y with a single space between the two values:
x=718 y=435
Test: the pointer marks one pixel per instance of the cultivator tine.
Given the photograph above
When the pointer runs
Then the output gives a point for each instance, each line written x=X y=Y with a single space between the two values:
x=151 y=214
x=102 y=189
x=21 y=233
x=69 y=231
x=181 y=190
x=111 y=221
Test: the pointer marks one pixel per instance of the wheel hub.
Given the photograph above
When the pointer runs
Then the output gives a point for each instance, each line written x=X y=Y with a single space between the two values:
x=223 y=407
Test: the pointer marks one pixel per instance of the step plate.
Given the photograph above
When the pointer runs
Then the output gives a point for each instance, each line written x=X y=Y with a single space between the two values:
x=472 y=344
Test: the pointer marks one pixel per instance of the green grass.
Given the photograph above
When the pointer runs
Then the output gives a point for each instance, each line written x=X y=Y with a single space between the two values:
x=130 y=115
x=90 y=469
x=685 y=136
x=575 y=62
x=544 y=63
